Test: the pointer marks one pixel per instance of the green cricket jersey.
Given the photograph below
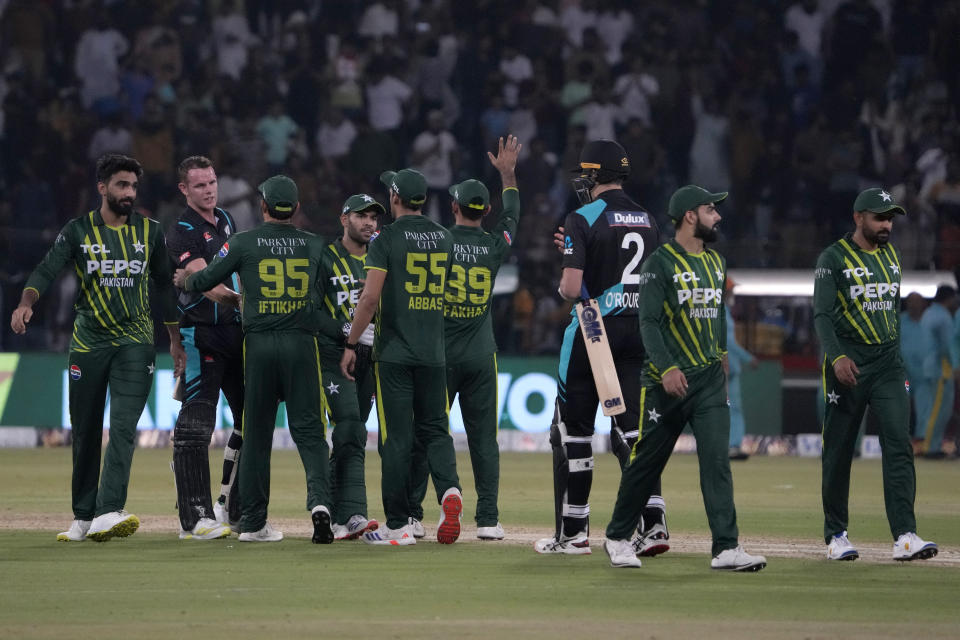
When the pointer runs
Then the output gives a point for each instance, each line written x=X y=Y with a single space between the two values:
x=278 y=266
x=340 y=281
x=856 y=296
x=113 y=265
x=415 y=252
x=477 y=256
x=682 y=322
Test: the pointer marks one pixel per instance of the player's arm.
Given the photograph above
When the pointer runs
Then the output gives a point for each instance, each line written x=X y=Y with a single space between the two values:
x=161 y=278
x=362 y=317
x=574 y=258
x=653 y=293
x=46 y=272
x=323 y=319
x=221 y=294
x=505 y=162
x=211 y=275
x=824 y=298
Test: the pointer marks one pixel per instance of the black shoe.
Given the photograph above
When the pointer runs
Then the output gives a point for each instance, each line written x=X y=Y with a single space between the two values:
x=736 y=453
x=322 y=533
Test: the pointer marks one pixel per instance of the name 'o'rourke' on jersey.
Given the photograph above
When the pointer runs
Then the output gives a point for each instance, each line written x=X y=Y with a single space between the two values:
x=609 y=239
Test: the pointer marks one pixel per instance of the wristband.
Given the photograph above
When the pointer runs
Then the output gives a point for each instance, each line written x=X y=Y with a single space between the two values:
x=352 y=347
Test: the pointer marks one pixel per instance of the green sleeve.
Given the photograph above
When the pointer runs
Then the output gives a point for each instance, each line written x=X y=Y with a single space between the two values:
x=653 y=293
x=722 y=338
x=824 y=298
x=378 y=252
x=59 y=255
x=217 y=271
x=325 y=323
x=506 y=227
x=161 y=274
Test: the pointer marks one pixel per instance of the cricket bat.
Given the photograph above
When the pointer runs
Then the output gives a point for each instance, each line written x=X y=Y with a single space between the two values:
x=601 y=360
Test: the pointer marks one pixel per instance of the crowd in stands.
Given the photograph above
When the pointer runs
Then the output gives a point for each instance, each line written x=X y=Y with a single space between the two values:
x=792 y=107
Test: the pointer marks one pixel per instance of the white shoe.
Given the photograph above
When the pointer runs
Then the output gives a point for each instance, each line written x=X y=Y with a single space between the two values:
x=910 y=546
x=220 y=515
x=76 y=533
x=490 y=533
x=621 y=553
x=356 y=526
x=652 y=542
x=206 y=529
x=841 y=549
x=579 y=546
x=737 y=560
x=448 y=530
x=267 y=534
x=395 y=537
x=115 y=524
x=416 y=527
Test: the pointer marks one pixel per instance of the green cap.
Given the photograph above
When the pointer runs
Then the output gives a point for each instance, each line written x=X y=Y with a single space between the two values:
x=877 y=200
x=689 y=198
x=361 y=202
x=471 y=193
x=408 y=184
x=280 y=194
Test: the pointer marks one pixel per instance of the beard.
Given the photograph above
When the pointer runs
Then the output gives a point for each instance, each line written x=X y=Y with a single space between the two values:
x=121 y=207
x=357 y=235
x=879 y=238
x=705 y=233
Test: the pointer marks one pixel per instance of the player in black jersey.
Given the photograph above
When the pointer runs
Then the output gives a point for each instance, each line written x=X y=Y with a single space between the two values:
x=604 y=243
x=213 y=340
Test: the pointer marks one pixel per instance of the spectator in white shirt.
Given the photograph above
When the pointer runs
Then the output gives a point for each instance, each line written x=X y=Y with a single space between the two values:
x=97 y=61
x=379 y=20
x=807 y=18
x=516 y=68
x=386 y=98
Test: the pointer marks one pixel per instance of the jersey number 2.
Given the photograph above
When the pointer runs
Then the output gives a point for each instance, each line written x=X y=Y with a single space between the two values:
x=630 y=276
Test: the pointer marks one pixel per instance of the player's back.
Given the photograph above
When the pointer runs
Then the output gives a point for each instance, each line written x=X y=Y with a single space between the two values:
x=415 y=253
x=278 y=266
x=609 y=239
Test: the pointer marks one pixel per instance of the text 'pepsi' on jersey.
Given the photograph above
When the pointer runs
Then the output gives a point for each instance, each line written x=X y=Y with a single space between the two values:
x=609 y=239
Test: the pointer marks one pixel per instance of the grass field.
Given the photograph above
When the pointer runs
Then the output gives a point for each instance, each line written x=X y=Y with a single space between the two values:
x=154 y=586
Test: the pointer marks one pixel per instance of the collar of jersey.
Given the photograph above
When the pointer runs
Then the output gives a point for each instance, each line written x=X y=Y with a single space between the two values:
x=679 y=247
x=100 y=222
x=853 y=243
x=190 y=211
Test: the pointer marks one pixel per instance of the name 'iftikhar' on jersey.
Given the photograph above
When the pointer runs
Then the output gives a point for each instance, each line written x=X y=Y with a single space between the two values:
x=609 y=239
x=856 y=296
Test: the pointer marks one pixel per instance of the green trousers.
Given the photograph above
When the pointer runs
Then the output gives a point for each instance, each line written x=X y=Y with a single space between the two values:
x=281 y=366
x=412 y=405
x=349 y=403
x=882 y=385
x=128 y=370
x=662 y=419
x=475 y=381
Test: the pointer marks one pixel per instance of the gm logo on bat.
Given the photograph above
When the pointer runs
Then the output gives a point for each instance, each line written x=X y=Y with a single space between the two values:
x=591 y=326
x=612 y=402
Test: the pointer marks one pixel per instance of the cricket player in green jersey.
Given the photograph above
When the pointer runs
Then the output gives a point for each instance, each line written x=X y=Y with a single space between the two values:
x=471 y=350
x=407 y=268
x=684 y=331
x=856 y=304
x=341 y=279
x=115 y=253
x=278 y=266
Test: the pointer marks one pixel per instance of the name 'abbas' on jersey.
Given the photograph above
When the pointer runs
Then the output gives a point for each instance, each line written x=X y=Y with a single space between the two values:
x=609 y=239
x=856 y=296
x=415 y=253
x=113 y=265
x=476 y=259
x=682 y=322
x=340 y=281
x=278 y=266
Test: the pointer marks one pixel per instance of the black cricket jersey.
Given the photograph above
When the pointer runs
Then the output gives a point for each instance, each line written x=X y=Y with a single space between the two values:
x=609 y=239
x=192 y=238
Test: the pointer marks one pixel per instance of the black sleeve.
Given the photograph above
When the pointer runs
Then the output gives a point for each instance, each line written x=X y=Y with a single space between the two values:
x=575 y=241
x=184 y=245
